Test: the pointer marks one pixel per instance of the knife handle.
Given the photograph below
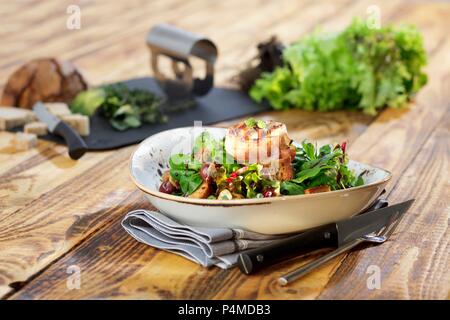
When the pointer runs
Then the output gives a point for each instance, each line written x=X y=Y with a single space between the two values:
x=253 y=260
x=77 y=146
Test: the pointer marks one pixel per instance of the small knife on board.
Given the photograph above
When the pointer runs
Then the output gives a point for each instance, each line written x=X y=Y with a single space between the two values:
x=76 y=145
x=332 y=235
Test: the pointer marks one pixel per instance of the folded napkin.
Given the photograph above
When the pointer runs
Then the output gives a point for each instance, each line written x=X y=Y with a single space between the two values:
x=206 y=246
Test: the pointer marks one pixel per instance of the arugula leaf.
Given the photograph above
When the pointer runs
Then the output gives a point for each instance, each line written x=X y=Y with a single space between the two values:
x=220 y=156
x=176 y=174
x=309 y=173
x=190 y=183
x=182 y=161
x=325 y=149
x=324 y=166
x=359 y=181
x=184 y=169
x=309 y=150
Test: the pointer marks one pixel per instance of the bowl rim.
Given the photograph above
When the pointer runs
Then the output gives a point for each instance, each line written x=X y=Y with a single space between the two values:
x=241 y=202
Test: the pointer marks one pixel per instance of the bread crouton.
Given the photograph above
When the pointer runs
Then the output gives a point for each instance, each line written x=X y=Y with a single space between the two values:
x=11 y=117
x=24 y=141
x=78 y=122
x=203 y=192
x=58 y=109
x=38 y=128
x=317 y=189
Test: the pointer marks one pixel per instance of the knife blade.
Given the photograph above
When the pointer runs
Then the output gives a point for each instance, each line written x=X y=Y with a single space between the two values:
x=76 y=145
x=332 y=235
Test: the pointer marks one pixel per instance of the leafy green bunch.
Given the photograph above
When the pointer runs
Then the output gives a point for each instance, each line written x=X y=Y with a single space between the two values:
x=359 y=68
x=315 y=167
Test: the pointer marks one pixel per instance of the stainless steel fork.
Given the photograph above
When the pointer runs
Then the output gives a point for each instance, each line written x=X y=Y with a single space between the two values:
x=381 y=237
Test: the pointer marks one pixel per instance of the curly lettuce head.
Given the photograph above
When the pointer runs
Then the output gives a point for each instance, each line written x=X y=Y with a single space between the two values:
x=360 y=68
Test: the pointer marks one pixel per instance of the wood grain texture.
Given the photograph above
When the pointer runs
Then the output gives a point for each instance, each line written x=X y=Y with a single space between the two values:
x=139 y=272
x=55 y=212
x=56 y=182
x=51 y=223
x=421 y=241
x=29 y=179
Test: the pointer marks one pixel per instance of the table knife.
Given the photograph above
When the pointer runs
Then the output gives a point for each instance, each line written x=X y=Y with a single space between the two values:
x=77 y=146
x=332 y=235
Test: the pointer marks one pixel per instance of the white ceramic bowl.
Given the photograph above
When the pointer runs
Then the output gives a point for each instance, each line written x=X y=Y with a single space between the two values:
x=276 y=215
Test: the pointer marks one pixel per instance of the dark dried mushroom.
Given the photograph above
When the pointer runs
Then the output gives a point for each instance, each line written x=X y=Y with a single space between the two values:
x=268 y=58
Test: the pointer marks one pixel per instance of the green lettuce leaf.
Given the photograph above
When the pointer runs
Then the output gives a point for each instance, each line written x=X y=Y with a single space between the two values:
x=359 y=68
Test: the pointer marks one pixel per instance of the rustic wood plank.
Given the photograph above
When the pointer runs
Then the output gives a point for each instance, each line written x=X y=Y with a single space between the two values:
x=10 y=157
x=130 y=269
x=40 y=178
x=151 y=274
x=48 y=186
x=393 y=140
x=98 y=31
x=421 y=242
x=40 y=174
x=44 y=230
x=128 y=242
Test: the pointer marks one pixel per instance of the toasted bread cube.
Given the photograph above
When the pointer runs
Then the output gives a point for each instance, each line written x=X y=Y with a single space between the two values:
x=11 y=117
x=202 y=192
x=78 y=122
x=36 y=127
x=58 y=109
x=31 y=116
x=24 y=141
x=318 y=189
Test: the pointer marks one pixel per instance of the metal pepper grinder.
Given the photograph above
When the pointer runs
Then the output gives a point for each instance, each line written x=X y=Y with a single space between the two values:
x=178 y=45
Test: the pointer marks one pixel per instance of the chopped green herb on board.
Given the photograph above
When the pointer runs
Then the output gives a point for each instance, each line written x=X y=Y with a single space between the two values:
x=125 y=108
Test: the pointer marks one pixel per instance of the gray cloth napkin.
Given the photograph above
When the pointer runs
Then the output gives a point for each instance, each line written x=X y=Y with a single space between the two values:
x=206 y=246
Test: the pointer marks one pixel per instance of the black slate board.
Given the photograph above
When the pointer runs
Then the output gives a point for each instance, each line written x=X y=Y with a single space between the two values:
x=218 y=105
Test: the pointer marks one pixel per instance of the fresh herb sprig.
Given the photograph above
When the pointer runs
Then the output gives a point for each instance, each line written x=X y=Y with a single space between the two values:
x=320 y=166
x=254 y=123
x=185 y=170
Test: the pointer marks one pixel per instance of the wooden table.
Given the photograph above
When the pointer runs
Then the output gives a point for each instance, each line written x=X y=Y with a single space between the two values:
x=56 y=213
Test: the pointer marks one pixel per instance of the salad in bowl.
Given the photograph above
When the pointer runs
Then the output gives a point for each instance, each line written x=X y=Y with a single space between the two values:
x=257 y=159
x=252 y=176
